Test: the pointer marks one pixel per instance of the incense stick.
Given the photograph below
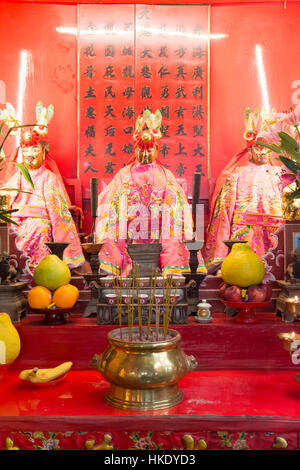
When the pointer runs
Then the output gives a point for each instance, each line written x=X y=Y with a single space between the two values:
x=138 y=299
x=169 y=281
x=171 y=310
x=157 y=312
x=152 y=295
x=119 y=300
x=129 y=302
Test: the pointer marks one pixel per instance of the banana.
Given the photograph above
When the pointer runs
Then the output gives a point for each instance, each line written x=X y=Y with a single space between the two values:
x=37 y=375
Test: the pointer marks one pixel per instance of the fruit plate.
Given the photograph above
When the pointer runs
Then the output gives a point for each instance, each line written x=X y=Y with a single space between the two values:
x=246 y=310
x=55 y=316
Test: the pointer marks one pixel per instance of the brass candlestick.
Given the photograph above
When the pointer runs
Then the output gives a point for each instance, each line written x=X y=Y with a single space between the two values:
x=293 y=306
x=57 y=248
x=94 y=205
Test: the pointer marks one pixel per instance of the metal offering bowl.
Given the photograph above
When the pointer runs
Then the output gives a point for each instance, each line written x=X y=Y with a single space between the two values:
x=143 y=375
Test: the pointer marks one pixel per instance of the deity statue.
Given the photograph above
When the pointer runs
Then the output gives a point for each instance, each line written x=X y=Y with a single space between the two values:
x=43 y=211
x=145 y=204
x=247 y=201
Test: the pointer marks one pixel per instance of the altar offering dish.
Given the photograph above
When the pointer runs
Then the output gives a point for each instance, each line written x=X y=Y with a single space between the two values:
x=160 y=282
x=246 y=310
x=159 y=298
x=125 y=281
x=178 y=281
x=143 y=298
x=144 y=281
x=107 y=281
x=126 y=299
x=54 y=315
x=174 y=298
x=111 y=298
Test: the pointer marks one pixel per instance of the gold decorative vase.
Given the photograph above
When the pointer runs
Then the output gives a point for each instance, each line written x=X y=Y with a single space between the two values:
x=143 y=375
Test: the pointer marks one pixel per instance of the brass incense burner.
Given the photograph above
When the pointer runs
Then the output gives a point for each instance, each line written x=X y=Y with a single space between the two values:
x=143 y=375
x=144 y=363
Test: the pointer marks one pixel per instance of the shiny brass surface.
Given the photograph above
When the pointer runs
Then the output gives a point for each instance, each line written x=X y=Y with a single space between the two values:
x=143 y=375
x=293 y=307
x=4 y=202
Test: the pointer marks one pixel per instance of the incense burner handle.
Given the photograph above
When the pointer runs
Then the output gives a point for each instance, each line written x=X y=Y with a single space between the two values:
x=191 y=363
x=96 y=361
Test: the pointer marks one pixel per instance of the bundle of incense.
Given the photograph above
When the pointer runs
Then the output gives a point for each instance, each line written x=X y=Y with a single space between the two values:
x=117 y=290
x=152 y=297
x=171 y=311
x=168 y=291
x=129 y=308
x=137 y=273
x=133 y=285
x=157 y=315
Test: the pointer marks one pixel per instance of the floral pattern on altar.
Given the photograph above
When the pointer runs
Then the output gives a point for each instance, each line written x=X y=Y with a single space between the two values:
x=121 y=440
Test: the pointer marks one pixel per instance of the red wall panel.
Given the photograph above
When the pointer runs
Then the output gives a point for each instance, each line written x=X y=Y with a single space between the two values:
x=49 y=72
x=235 y=78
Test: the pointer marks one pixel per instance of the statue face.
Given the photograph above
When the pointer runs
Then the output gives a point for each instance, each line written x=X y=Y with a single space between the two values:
x=259 y=155
x=33 y=156
x=146 y=156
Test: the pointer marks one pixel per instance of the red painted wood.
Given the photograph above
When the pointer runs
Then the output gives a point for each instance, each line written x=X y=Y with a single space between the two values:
x=222 y=400
x=155 y=2
x=222 y=344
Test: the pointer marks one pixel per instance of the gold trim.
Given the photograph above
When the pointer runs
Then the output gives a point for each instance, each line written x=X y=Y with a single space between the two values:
x=259 y=213
x=208 y=93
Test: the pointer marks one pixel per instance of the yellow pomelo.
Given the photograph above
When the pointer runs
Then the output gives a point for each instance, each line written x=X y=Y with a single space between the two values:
x=52 y=273
x=242 y=267
x=10 y=344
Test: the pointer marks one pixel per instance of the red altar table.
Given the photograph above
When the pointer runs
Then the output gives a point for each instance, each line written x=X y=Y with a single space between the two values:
x=242 y=396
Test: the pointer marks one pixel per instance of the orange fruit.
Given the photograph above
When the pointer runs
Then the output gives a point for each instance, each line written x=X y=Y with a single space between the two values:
x=65 y=296
x=39 y=297
x=75 y=290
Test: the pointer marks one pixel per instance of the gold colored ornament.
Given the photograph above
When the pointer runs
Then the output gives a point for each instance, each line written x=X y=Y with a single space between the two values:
x=105 y=443
x=4 y=202
x=9 y=444
x=27 y=136
x=279 y=443
x=146 y=137
x=189 y=443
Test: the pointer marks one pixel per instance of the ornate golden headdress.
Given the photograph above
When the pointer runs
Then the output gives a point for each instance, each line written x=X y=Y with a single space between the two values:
x=258 y=122
x=147 y=129
x=40 y=130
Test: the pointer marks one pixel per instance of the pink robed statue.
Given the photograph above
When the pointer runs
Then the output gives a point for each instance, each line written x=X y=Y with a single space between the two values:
x=247 y=201
x=43 y=211
x=145 y=204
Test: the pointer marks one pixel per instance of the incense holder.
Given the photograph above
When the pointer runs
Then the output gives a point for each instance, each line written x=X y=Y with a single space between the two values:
x=127 y=299
x=143 y=373
x=143 y=299
x=111 y=299
x=159 y=299
x=107 y=281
